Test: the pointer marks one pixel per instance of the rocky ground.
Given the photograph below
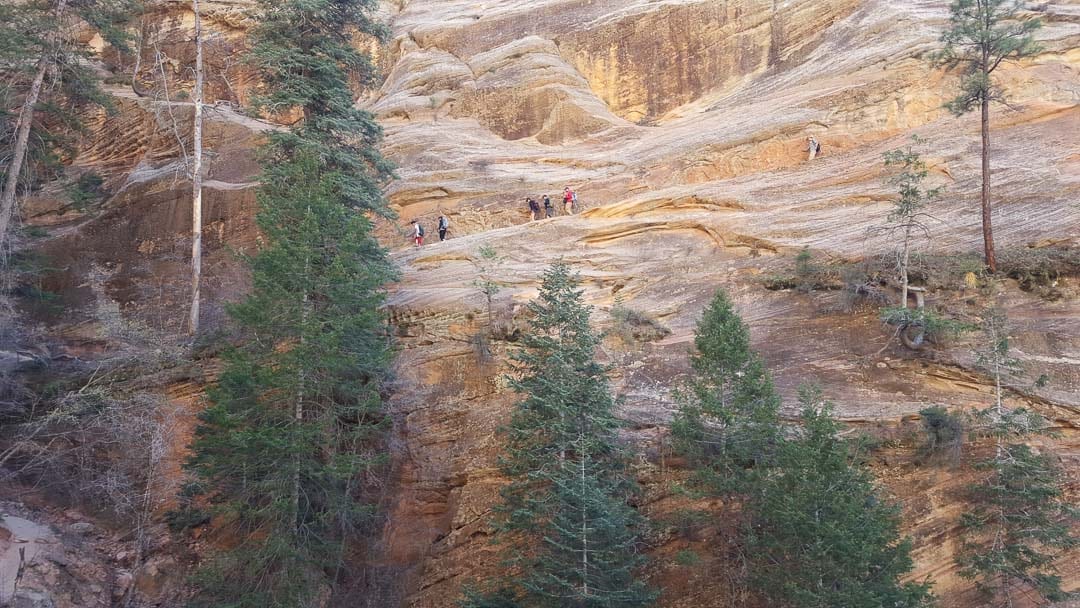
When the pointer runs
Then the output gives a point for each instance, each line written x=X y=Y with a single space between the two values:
x=682 y=124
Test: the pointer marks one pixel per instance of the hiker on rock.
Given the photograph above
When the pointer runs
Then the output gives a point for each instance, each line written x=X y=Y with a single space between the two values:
x=813 y=147
x=418 y=234
x=569 y=200
x=534 y=208
x=444 y=225
x=549 y=208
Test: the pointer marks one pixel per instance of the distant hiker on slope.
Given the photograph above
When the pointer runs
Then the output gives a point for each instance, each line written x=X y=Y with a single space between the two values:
x=534 y=208
x=548 y=207
x=418 y=234
x=444 y=225
x=813 y=147
x=569 y=200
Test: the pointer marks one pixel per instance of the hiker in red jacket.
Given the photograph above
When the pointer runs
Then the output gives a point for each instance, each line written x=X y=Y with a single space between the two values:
x=569 y=200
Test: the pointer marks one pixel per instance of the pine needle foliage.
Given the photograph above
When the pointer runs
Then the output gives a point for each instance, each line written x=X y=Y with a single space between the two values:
x=728 y=417
x=292 y=443
x=1020 y=520
x=1019 y=524
x=31 y=31
x=567 y=507
x=296 y=419
x=819 y=535
x=981 y=35
x=309 y=70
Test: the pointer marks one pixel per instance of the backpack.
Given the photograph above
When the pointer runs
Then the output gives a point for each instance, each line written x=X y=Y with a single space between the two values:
x=421 y=228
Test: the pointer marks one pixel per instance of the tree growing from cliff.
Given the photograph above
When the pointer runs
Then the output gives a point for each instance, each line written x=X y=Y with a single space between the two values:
x=907 y=220
x=1020 y=520
x=566 y=508
x=295 y=424
x=487 y=265
x=43 y=60
x=728 y=420
x=292 y=441
x=819 y=534
x=196 y=173
x=981 y=35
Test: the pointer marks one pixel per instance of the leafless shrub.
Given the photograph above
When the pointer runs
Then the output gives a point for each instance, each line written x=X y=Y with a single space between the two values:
x=103 y=452
x=100 y=451
x=633 y=326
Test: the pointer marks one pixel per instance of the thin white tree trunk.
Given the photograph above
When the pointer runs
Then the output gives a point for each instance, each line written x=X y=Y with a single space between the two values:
x=196 y=176
x=22 y=137
x=298 y=413
x=905 y=260
x=584 y=526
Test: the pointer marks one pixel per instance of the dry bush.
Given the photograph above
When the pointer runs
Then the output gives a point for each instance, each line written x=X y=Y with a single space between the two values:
x=944 y=433
x=102 y=452
x=632 y=326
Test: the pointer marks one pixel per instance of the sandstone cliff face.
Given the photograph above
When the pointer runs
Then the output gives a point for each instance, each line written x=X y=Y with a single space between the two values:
x=682 y=125
x=693 y=177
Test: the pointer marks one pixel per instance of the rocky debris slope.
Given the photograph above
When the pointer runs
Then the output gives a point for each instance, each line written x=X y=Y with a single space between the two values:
x=73 y=563
x=682 y=125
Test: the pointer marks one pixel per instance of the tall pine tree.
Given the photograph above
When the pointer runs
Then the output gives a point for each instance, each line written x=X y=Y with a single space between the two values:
x=728 y=416
x=294 y=428
x=566 y=507
x=981 y=35
x=819 y=536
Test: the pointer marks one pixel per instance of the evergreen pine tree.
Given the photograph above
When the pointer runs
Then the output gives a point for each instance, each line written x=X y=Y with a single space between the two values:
x=309 y=69
x=981 y=35
x=819 y=535
x=728 y=416
x=1020 y=520
x=566 y=506
x=906 y=220
x=45 y=64
x=294 y=428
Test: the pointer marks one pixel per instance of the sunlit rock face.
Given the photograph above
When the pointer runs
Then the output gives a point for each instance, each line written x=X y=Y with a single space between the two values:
x=682 y=126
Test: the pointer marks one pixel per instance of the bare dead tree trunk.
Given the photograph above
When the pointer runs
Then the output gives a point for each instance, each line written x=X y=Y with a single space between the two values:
x=22 y=138
x=196 y=176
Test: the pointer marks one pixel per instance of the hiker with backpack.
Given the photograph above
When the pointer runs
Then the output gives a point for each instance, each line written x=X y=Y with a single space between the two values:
x=418 y=234
x=548 y=207
x=569 y=200
x=533 y=208
x=444 y=225
x=813 y=147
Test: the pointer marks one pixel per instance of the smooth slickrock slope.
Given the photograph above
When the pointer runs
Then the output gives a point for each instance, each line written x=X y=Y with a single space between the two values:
x=682 y=125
